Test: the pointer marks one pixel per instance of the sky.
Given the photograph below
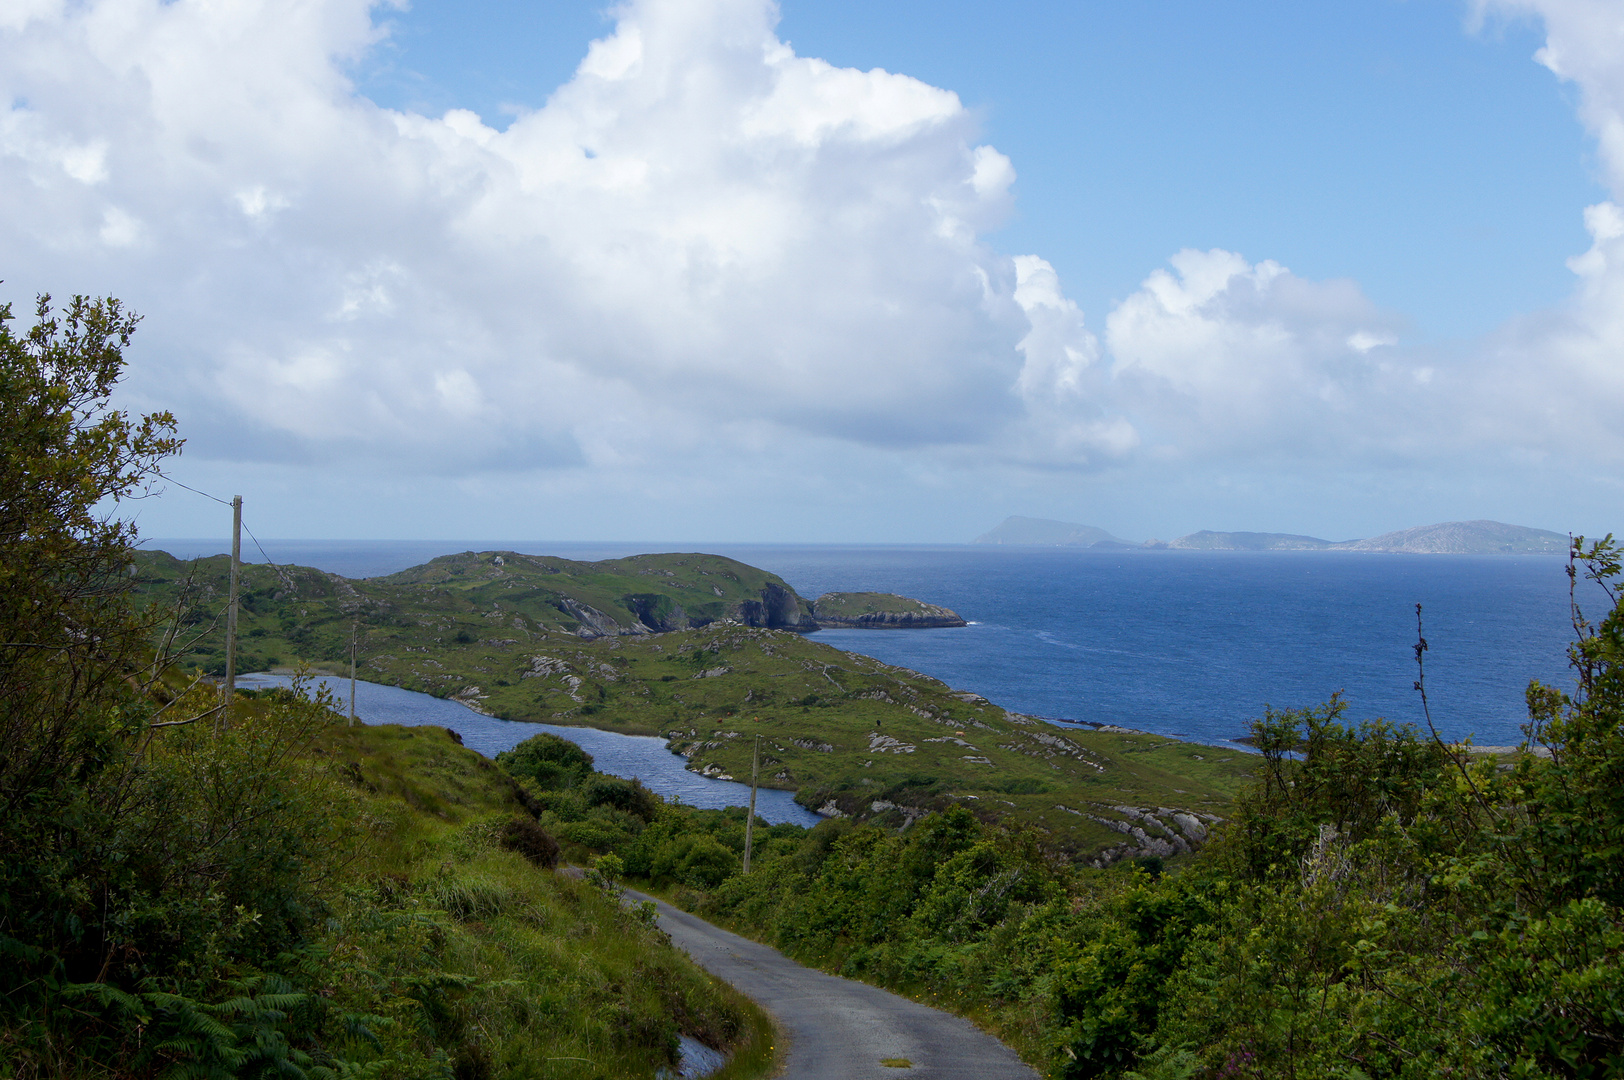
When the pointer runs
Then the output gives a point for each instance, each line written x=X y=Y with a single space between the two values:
x=827 y=271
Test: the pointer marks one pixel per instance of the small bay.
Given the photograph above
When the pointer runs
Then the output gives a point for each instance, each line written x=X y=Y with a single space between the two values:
x=630 y=756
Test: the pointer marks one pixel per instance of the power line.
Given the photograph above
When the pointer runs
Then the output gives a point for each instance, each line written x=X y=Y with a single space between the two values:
x=193 y=490
x=231 y=632
x=226 y=502
x=261 y=547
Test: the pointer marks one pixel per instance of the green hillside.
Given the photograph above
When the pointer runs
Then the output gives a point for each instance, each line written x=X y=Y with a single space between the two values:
x=483 y=593
x=849 y=734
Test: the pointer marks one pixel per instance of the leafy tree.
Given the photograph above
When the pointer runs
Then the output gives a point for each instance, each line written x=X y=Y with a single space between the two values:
x=68 y=636
x=1577 y=812
x=144 y=859
x=69 y=639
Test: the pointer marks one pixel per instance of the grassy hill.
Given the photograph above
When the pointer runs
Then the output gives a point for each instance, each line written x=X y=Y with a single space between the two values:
x=275 y=893
x=849 y=734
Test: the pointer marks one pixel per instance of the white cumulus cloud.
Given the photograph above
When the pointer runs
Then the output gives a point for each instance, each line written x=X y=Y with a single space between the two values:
x=1552 y=383
x=698 y=233
x=1221 y=353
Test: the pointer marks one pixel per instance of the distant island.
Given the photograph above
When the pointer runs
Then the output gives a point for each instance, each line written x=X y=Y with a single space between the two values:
x=1445 y=538
x=1041 y=531
x=636 y=596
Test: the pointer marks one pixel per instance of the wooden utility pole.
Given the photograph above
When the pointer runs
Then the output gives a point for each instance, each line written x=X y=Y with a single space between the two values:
x=750 y=822
x=230 y=689
x=352 y=674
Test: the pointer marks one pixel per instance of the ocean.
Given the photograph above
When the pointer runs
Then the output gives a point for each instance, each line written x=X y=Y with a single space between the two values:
x=1182 y=643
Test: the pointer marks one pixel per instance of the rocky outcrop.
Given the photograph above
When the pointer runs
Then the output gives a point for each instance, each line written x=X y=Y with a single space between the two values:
x=658 y=613
x=778 y=609
x=1160 y=831
x=879 y=611
x=593 y=623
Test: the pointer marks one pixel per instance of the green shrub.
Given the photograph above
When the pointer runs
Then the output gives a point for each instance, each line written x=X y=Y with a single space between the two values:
x=551 y=762
x=256 y=890
x=695 y=859
x=629 y=796
x=529 y=839
x=594 y=834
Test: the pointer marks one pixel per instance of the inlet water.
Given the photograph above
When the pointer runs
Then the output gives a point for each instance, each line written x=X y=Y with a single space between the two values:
x=638 y=757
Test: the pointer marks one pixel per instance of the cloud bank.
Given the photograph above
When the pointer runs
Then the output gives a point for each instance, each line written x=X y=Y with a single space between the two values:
x=699 y=230
x=700 y=248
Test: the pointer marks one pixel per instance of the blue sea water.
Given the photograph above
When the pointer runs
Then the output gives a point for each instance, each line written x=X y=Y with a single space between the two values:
x=1196 y=644
x=1184 y=643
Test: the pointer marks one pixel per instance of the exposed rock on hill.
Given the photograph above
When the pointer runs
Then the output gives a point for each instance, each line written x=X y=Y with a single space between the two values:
x=880 y=611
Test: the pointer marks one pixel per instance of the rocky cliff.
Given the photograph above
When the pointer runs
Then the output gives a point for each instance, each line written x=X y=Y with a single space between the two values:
x=880 y=611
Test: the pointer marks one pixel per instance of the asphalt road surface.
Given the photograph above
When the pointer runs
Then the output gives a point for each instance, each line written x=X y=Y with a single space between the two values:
x=839 y=1029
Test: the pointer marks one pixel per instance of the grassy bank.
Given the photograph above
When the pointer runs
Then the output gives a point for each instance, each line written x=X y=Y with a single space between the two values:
x=556 y=979
x=286 y=894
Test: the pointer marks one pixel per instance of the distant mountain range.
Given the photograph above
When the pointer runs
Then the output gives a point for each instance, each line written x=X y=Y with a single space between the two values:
x=1446 y=538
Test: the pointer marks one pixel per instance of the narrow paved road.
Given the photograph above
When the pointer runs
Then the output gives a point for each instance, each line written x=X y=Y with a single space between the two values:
x=840 y=1029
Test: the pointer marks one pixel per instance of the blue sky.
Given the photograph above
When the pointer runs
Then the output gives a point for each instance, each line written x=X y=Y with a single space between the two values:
x=1401 y=143
x=1329 y=268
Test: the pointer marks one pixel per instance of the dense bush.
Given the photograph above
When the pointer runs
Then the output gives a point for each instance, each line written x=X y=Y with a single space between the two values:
x=627 y=796
x=529 y=839
x=551 y=763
